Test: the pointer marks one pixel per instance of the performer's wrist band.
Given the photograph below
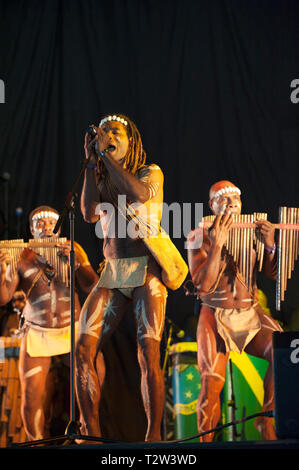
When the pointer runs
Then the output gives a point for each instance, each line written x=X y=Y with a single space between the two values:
x=271 y=250
x=89 y=165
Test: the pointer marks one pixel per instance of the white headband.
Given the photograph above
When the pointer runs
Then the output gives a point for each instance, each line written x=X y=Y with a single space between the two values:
x=45 y=214
x=113 y=118
x=228 y=189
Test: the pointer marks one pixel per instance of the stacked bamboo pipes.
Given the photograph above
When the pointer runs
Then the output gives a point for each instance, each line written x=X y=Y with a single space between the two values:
x=244 y=239
x=288 y=249
x=48 y=248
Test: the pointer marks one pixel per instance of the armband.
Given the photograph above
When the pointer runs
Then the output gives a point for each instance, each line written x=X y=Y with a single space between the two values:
x=271 y=250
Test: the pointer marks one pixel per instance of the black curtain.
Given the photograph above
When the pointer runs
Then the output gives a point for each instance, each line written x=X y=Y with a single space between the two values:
x=208 y=84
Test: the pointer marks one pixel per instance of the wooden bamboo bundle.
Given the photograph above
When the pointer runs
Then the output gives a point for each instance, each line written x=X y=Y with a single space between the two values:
x=11 y=427
x=48 y=248
x=243 y=238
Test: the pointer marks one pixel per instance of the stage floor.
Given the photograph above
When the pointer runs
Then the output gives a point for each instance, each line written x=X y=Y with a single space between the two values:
x=255 y=454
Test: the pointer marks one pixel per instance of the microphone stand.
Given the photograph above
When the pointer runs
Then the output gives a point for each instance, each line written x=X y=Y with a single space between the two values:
x=180 y=333
x=72 y=430
x=232 y=403
x=69 y=208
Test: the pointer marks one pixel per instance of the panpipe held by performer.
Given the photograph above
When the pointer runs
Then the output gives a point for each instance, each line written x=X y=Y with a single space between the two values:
x=47 y=248
x=244 y=240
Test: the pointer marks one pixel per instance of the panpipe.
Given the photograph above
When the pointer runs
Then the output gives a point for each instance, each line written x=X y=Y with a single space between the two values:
x=11 y=426
x=48 y=248
x=288 y=249
x=244 y=239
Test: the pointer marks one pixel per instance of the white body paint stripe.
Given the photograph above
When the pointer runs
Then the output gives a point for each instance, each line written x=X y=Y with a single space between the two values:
x=274 y=325
x=151 y=332
x=29 y=272
x=37 y=313
x=213 y=374
x=33 y=371
x=67 y=313
x=87 y=326
x=53 y=301
x=42 y=298
x=267 y=348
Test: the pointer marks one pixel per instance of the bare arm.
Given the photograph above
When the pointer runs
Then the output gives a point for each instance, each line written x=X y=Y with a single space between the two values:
x=90 y=195
x=7 y=287
x=86 y=277
x=267 y=231
x=85 y=274
x=126 y=183
x=205 y=262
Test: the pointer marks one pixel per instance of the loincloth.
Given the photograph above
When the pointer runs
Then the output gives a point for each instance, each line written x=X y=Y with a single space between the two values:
x=237 y=326
x=124 y=274
x=47 y=342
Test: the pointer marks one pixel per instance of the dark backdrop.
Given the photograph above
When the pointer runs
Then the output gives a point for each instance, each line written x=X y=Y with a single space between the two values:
x=207 y=83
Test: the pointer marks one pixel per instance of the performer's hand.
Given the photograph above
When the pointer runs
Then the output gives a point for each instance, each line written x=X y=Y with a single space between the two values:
x=89 y=147
x=5 y=260
x=267 y=231
x=219 y=231
x=64 y=253
x=18 y=300
x=103 y=139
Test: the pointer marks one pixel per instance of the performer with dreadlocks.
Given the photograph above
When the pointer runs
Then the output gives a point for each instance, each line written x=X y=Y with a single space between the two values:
x=130 y=274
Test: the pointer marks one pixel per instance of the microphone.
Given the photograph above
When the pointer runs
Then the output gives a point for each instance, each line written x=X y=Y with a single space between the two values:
x=92 y=132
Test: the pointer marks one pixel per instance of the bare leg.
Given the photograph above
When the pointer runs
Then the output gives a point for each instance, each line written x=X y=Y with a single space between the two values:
x=99 y=317
x=33 y=373
x=212 y=359
x=149 y=306
x=261 y=346
x=48 y=397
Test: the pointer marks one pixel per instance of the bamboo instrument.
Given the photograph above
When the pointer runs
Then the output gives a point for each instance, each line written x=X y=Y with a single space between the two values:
x=11 y=426
x=48 y=248
x=244 y=239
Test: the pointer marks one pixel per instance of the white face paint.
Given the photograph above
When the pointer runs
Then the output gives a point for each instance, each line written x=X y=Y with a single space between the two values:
x=216 y=208
x=43 y=227
x=229 y=201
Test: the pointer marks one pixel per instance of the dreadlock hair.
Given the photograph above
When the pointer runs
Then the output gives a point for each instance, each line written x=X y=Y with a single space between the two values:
x=136 y=156
x=133 y=161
